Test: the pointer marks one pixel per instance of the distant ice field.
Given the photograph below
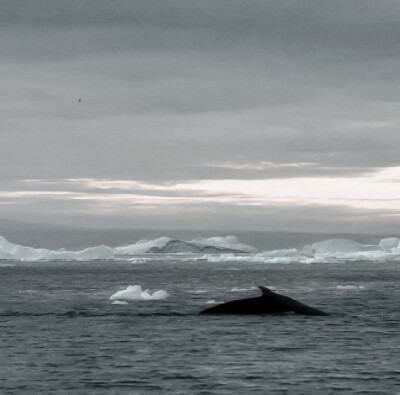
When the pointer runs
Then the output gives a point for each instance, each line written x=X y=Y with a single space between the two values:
x=212 y=249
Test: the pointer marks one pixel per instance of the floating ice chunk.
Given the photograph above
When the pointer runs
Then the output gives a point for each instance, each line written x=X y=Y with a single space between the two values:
x=139 y=260
x=236 y=289
x=348 y=287
x=119 y=302
x=212 y=301
x=390 y=244
x=134 y=292
x=157 y=295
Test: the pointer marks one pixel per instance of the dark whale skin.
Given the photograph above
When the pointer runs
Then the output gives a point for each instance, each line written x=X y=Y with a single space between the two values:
x=268 y=303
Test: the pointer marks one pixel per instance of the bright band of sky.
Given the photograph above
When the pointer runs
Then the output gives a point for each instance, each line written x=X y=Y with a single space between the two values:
x=379 y=191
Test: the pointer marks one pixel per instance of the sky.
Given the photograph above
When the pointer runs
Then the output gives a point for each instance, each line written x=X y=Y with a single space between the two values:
x=201 y=114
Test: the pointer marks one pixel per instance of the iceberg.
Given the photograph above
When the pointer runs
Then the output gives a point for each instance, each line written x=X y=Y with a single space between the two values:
x=349 y=250
x=213 y=249
x=17 y=252
x=120 y=302
x=390 y=244
x=341 y=245
x=143 y=246
x=164 y=245
x=134 y=292
x=328 y=251
x=274 y=256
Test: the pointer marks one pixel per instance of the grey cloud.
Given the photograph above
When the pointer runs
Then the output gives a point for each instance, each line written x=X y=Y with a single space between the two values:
x=73 y=213
x=259 y=27
x=87 y=188
x=173 y=90
x=169 y=152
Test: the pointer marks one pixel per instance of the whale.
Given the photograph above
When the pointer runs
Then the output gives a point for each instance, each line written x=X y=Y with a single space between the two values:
x=268 y=303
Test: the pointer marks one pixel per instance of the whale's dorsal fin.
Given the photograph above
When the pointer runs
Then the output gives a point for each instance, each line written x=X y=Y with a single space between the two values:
x=265 y=291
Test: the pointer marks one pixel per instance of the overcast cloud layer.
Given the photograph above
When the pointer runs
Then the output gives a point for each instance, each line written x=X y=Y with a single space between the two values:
x=179 y=93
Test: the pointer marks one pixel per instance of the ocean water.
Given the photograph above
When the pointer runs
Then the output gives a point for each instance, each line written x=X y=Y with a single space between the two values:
x=60 y=333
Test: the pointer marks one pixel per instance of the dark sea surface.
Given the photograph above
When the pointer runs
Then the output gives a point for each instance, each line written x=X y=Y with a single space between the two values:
x=60 y=333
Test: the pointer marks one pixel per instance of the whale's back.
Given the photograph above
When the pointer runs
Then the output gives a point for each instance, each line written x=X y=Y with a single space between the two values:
x=268 y=303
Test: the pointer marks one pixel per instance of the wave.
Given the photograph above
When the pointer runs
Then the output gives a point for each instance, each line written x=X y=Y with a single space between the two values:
x=85 y=313
x=214 y=250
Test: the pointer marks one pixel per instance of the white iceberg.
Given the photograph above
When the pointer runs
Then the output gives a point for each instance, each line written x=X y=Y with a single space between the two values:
x=10 y=251
x=390 y=244
x=134 y=292
x=340 y=250
x=328 y=251
x=214 y=249
x=142 y=246
x=274 y=256
x=17 y=252
x=335 y=246
x=173 y=246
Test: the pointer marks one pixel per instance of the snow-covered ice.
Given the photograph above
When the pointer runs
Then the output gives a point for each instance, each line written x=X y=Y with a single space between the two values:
x=135 y=292
x=198 y=245
x=212 y=301
x=12 y=251
x=215 y=250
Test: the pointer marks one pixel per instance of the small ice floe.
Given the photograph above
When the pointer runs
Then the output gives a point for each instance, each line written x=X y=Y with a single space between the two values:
x=138 y=261
x=134 y=292
x=27 y=291
x=212 y=301
x=349 y=287
x=119 y=302
x=236 y=289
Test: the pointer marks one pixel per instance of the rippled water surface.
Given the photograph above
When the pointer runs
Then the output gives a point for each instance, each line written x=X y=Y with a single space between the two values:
x=61 y=334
